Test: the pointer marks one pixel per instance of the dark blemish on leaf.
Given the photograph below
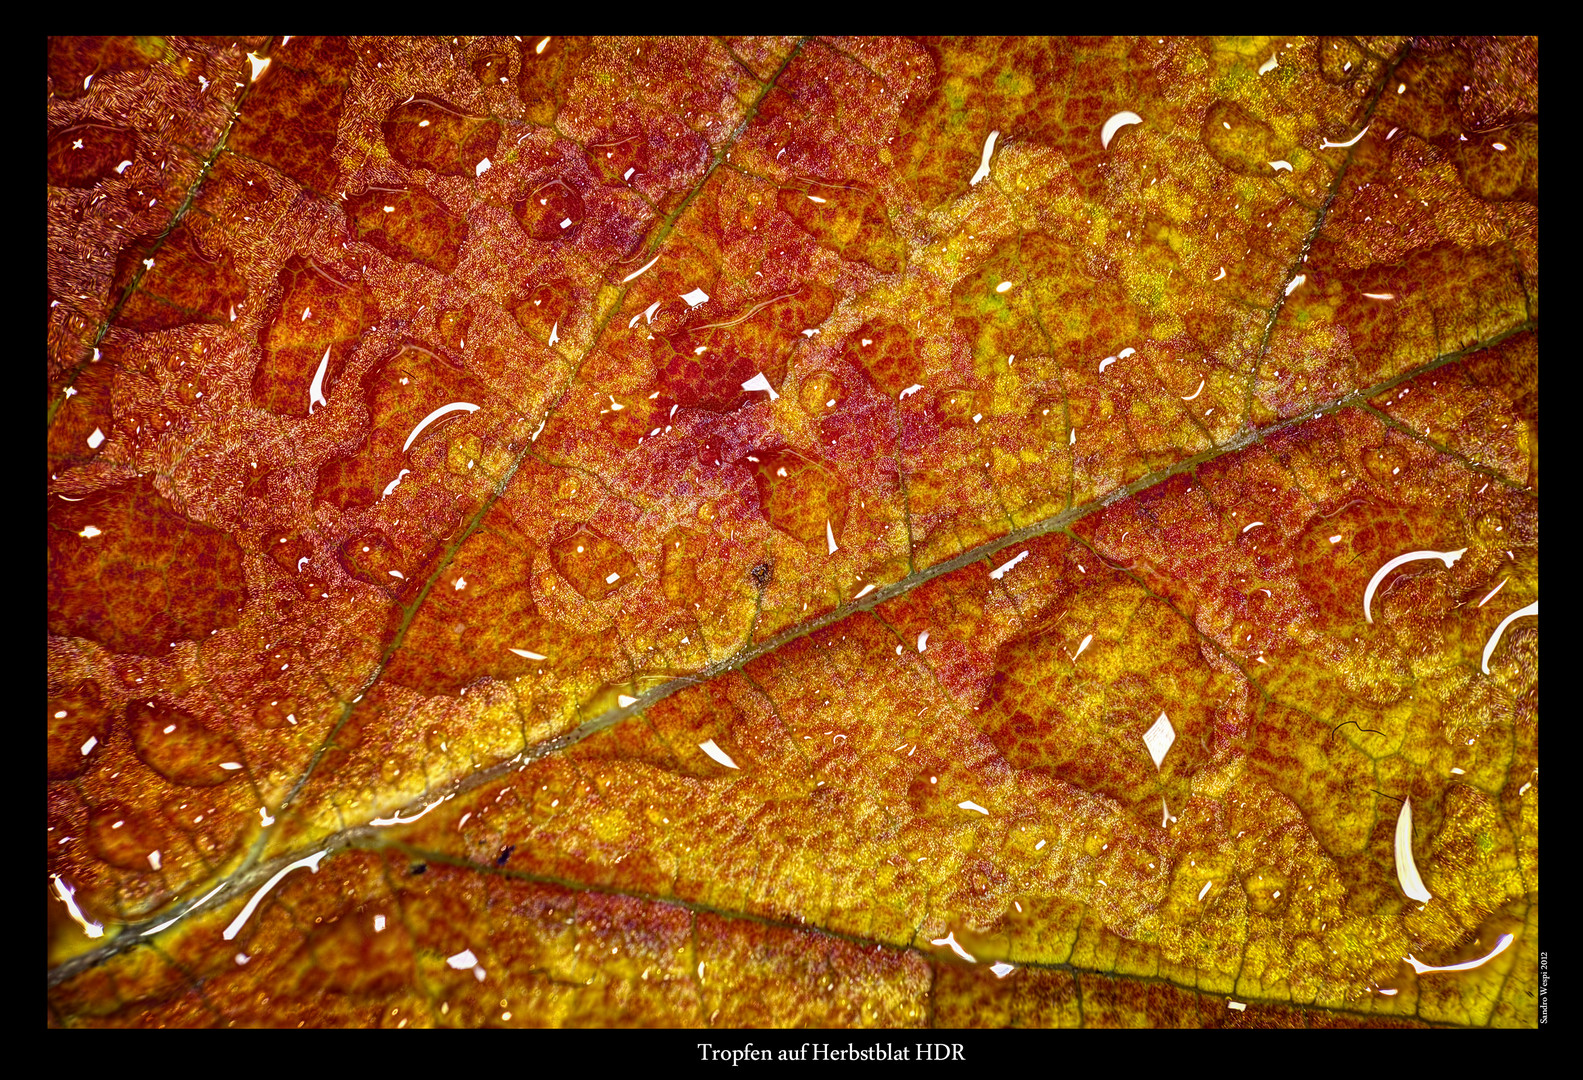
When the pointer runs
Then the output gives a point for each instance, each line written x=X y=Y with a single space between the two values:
x=505 y=853
x=418 y=868
x=761 y=574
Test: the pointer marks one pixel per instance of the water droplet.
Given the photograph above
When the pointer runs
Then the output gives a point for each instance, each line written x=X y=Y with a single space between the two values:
x=150 y=577
x=957 y=406
x=1238 y=141
x=424 y=133
x=706 y=365
x=547 y=310
x=370 y=557
x=552 y=211
x=412 y=396
x=800 y=495
x=194 y=280
x=821 y=394
x=294 y=349
x=888 y=354
x=77 y=717
x=594 y=565
x=847 y=219
x=416 y=227
x=123 y=837
x=179 y=746
x=618 y=161
x=276 y=713
x=80 y=156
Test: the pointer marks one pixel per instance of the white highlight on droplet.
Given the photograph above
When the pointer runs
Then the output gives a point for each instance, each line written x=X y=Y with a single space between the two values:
x=1489 y=646
x=1002 y=969
x=708 y=746
x=640 y=269
x=829 y=536
x=950 y=941
x=316 y=391
x=1406 y=869
x=1380 y=295
x=969 y=804
x=913 y=389
x=923 y=641
x=1447 y=557
x=204 y=899
x=392 y=485
x=864 y=591
x=1268 y=66
x=260 y=65
x=624 y=700
x=1204 y=891
x=527 y=654
x=154 y=859
x=1252 y=525
x=983 y=165
x=696 y=297
x=96 y=439
x=397 y=819
x=1467 y=965
x=1195 y=393
x=1239 y=1006
x=1116 y=123
x=455 y=406
x=760 y=382
x=1082 y=645
x=311 y=862
x=1279 y=165
x=462 y=960
x=67 y=894
x=1106 y=362
x=1326 y=144
x=87 y=747
x=1491 y=594
x=1159 y=738
x=379 y=923
x=482 y=167
x=1000 y=571
x=1296 y=281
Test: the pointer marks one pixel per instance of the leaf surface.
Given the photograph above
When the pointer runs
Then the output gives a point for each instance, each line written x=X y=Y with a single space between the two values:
x=792 y=532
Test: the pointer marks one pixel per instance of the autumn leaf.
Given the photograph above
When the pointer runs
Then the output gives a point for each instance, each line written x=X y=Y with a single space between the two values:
x=792 y=532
